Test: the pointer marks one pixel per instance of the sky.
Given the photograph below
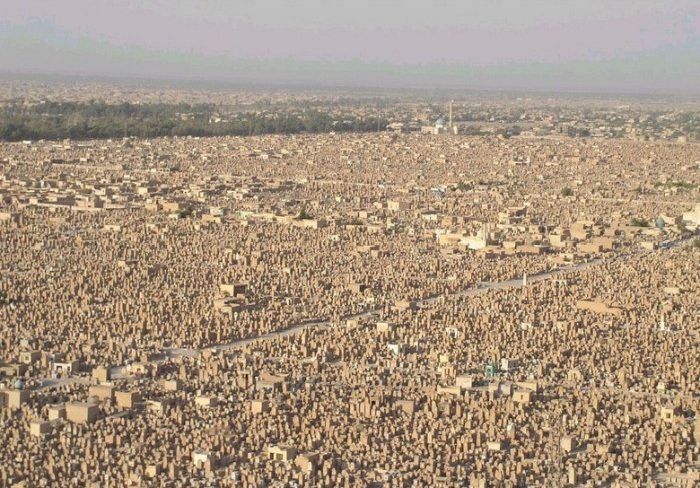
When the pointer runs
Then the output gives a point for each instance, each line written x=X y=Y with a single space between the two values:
x=636 y=46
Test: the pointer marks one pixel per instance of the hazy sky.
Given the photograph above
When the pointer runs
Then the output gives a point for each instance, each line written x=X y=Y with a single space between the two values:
x=581 y=45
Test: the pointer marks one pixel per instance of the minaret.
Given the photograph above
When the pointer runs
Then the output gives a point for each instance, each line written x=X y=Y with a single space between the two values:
x=450 y=118
x=524 y=279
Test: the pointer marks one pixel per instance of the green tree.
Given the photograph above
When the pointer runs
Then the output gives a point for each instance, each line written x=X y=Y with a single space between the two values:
x=640 y=222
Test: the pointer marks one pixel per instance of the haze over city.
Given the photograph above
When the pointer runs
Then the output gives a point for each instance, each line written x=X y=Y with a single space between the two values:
x=628 y=46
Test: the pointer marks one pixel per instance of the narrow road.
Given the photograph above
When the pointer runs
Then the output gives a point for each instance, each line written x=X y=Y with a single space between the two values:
x=172 y=353
x=479 y=290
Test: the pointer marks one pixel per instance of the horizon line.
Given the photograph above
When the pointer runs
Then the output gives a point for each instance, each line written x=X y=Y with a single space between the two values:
x=229 y=83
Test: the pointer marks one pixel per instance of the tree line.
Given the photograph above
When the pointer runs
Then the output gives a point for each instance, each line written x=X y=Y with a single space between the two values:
x=99 y=120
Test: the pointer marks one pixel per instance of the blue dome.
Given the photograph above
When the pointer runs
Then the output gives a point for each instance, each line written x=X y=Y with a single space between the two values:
x=19 y=384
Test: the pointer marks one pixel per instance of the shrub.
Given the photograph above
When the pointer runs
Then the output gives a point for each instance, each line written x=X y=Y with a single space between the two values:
x=640 y=222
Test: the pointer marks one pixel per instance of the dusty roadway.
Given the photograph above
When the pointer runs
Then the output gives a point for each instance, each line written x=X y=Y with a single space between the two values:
x=170 y=353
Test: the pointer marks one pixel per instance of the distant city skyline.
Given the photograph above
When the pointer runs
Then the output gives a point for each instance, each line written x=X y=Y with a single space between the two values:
x=595 y=46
